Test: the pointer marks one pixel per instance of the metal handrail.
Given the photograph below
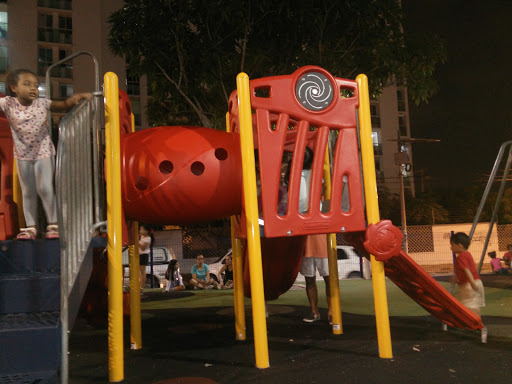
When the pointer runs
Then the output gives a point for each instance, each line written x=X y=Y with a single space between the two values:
x=99 y=117
x=485 y=196
x=80 y=212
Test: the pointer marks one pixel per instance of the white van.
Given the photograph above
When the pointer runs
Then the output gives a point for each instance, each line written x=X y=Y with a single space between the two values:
x=350 y=265
x=161 y=258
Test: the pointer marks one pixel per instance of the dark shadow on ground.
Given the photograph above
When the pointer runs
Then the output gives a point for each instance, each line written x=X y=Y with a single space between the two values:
x=201 y=342
x=159 y=295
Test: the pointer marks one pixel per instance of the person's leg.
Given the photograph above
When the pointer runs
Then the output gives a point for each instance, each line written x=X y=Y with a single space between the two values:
x=27 y=178
x=312 y=293
x=44 y=173
x=142 y=277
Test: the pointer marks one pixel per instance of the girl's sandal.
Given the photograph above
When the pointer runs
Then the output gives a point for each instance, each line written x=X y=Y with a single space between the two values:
x=27 y=234
x=52 y=231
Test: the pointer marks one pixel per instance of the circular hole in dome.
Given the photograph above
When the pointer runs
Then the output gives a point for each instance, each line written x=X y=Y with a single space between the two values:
x=142 y=183
x=166 y=167
x=197 y=168
x=221 y=154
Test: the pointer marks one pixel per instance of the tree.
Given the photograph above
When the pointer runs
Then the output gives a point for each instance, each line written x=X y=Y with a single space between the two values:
x=424 y=210
x=192 y=50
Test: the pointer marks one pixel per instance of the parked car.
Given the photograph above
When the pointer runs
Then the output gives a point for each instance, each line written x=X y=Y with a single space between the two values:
x=350 y=264
x=161 y=258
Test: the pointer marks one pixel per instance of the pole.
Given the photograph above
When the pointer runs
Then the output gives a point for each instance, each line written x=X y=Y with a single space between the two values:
x=403 y=215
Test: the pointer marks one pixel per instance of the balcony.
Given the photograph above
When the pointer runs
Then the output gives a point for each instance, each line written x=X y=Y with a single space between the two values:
x=55 y=4
x=62 y=36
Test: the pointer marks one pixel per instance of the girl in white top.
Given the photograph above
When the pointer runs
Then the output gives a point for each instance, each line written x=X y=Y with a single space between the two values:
x=33 y=148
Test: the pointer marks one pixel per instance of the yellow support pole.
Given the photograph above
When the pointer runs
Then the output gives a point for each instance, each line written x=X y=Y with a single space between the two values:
x=337 y=326
x=373 y=216
x=251 y=214
x=135 y=315
x=238 y=275
x=114 y=229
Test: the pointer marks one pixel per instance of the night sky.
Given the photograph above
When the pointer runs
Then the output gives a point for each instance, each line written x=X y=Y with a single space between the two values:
x=472 y=112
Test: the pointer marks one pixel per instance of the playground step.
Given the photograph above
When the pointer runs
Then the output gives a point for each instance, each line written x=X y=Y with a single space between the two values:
x=30 y=343
x=34 y=292
x=29 y=256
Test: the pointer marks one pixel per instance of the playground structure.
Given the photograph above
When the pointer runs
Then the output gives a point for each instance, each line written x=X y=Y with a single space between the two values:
x=283 y=125
x=189 y=174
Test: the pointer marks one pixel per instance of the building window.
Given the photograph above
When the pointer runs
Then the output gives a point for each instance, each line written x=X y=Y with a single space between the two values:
x=132 y=85
x=57 y=4
x=65 y=30
x=375 y=115
x=135 y=104
x=3 y=59
x=66 y=69
x=65 y=90
x=44 y=60
x=2 y=87
x=400 y=98
x=378 y=171
x=49 y=33
x=3 y=24
x=44 y=27
x=377 y=142
x=402 y=124
x=42 y=90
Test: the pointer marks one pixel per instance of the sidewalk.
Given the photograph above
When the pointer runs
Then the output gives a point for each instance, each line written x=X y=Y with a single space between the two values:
x=181 y=339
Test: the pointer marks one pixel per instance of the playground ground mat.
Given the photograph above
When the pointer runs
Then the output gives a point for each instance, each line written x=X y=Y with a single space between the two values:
x=189 y=341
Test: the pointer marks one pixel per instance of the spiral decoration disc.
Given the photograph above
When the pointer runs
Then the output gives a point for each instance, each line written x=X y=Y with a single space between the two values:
x=314 y=91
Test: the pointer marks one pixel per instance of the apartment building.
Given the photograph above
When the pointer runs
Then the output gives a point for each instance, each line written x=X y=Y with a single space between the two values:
x=35 y=34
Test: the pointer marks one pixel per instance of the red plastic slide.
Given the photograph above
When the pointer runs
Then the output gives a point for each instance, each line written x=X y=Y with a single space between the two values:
x=427 y=292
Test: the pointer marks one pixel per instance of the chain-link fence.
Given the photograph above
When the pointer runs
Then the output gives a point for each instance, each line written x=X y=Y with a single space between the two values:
x=428 y=245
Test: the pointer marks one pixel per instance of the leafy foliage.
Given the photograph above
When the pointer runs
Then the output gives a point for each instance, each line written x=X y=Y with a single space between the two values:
x=192 y=50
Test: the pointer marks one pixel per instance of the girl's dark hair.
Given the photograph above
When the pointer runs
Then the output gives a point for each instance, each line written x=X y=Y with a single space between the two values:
x=171 y=268
x=492 y=254
x=13 y=78
x=150 y=230
x=460 y=238
x=172 y=265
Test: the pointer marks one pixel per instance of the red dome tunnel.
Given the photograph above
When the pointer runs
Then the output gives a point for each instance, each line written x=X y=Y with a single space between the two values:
x=180 y=175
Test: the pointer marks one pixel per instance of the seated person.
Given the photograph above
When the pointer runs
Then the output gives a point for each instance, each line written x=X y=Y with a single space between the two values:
x=227 y=278
x=174 y=279
x=496 y=264
x=201 y=275
x=507 y=257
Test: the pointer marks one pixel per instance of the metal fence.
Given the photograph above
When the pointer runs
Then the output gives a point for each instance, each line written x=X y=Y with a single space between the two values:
x=428 y=245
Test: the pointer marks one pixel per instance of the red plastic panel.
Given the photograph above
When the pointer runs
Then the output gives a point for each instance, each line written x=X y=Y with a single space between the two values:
x=427 y=292
x=180 y=175
x=281 y=122
x=281 y=260
x=9 y=226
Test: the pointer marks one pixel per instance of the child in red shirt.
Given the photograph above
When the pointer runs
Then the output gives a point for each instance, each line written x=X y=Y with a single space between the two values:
x=466 y=276
x=507 y=257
